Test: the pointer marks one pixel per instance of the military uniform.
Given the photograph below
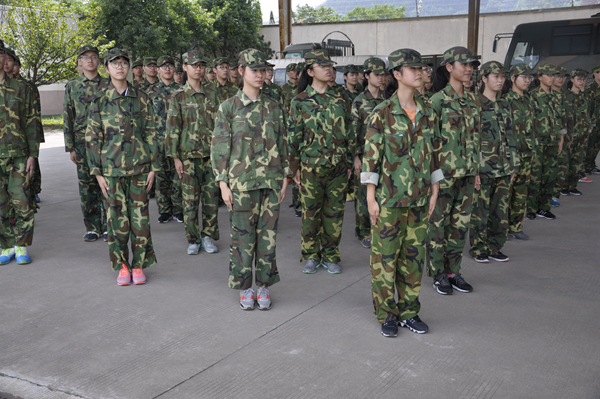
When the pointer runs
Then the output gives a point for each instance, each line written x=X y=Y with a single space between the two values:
x=229 y=89
x=79 y=94
x=565 y=154
x=320 y=135
x=401 y=160
x=362 y=107
x=349 y=94
x=593 y=145
x=273 y=91
x=146 y=85
x=190 y=123
x=290 y=90
x=250 y=153
x=121 y=147
x=499 y=160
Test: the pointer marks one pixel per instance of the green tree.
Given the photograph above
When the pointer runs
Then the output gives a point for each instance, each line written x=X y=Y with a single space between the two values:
x=46 y=37
x=378 y=11
x=309 y=15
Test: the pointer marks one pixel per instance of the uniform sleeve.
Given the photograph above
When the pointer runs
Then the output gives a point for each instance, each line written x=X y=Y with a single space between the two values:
x=295 y=133
x=220 y=152
x=173 y=132
x=437 y=174
x=512 y=141
x=68 y=119
x=150 y=135
x=357 y=124
x=94 y=139
x=350 y=134
x=374 y=142
x=32 y=128
x=570 y=115
x=282 y=144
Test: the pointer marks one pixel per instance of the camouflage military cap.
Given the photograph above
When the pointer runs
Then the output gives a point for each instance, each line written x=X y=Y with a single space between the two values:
x=300 y=66
x=150 y=61
x=220 y=60
x=165 y=59
x=596 y=69
x=351 y=69
x=375 y=65
x=1 y=45
x=233 y=64
x=579 y=72
x=253 y=59
x=405 y=57
x=547 y=69
x=460 y=54
x=270 y=64
x=520 y=69
x=320 y=57
x=291 y=67
x=178 y=67
x=491 y=67
x=193 y=57
x=562 y=71
x=137 y=63
x=115 y=53
x=10 y=52
x=86 y=48
x=17 y=60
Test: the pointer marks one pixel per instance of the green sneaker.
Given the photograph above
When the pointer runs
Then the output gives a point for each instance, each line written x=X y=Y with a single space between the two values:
x=23 y=257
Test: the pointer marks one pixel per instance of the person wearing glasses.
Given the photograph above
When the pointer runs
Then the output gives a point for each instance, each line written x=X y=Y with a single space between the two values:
x=79 y=94
x=178 y=74
x=426 y=76
x=211 y=75
x=123 y=156
x=190 y=123
x=151 y=71
x=271 y=89
x=222 y=85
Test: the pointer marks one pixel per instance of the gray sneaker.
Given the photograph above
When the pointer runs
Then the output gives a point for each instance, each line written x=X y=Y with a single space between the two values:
x=209 y=246
x=332 y=268
x=193 y=249
x=519 y=235
x=310 y=266
x=247 y=299
x=263 y=299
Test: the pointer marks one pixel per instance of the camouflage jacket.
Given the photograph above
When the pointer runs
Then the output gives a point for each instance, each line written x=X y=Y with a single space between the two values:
x=459 y=121
x=577 y=113
x=523 y=120
x=592 y=93
x=349 y=95
x=120 y=136
x=190 y=122
x=289 y=93
x=402 y=159
x=546 y=130
x=273 y=91
x=37 y=106
x=560 y=116
x=426 y=96
x=499 y=156
x=362 y=107
x=79 y=95
x=146 y=86
x=320 y=130
x=249 y=145
x=19 y=131
x=225 y=91
x=160 y=95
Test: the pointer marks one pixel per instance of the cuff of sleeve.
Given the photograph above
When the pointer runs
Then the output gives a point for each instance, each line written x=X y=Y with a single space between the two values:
x=563 y=131
x=288 y=172
x=294 y=165
x=95 y=171
x=69 y=149
x=34 y=153
x=437 y=176
x=369 y=178
x=221 y=177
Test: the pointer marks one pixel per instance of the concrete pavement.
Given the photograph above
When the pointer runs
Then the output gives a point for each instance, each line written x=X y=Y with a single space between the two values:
x=530 y=329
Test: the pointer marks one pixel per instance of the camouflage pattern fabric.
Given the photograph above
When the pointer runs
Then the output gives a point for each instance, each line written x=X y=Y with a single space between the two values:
x=273 y=91
x=296 y=202
x=289 y=91
x=350 y=96
x=147 y=86
x=90 y=194
x=562 y=170
x=576 y=170
x=198 y=184
x=254 y=221
x=592 y=93
x=578 y=125
x=128 y=215
x=543 y=176
x=19 y=126
x=448 y=225
x=223 y=92
x=489 y=220
x=519 y=193
x=397 y=260
x=558 y=105
x=546 y=129
x=14 y=201
x=323 y=204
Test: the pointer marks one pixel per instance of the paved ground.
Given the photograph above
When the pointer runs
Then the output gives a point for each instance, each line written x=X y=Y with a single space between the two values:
x=529 y=330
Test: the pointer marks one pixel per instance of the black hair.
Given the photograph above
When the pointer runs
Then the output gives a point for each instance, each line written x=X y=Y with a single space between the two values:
x=507 y=86
x=569 y=84
x=441 y=77
x=392 y=87
x=184 y=78
x=365 y=82
x=305 y=79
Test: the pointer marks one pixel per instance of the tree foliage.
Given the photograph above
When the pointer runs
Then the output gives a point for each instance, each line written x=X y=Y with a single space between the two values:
x=310 y=15
x=378 y=11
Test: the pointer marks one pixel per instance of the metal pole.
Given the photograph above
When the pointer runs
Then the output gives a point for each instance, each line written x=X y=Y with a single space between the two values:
x=285 y=23
x=473 y=28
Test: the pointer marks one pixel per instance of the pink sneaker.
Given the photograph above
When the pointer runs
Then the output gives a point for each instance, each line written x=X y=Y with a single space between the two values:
x=139 y=277
x=124 y=276
x=585 y=180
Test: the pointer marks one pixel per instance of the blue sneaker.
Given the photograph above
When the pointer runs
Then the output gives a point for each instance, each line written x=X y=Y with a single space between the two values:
x=7 y=255
x=298 y=214
x=23 y=257
x=555 y=202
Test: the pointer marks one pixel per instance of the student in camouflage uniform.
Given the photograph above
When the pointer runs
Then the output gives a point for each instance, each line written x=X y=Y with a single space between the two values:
x=151 y=71
x=250 y=159
x=222 y=85
x=211 y=74
x=271 y=89
x=425 y=88
x=234 y=75
x=401 y=171
x=351 y=78
x=593 y=145
x=458 y=114
x=549 y=141
x=79 y=94
x=178 y=77
x=558 y=93
x=137 y=69
x=190 y=123
x=522 y=119
x=289 y=89
x=19 y=135
x=362 y=107
x=122 y=155
x=578 y=128
x=499 y=162
x=320 y=135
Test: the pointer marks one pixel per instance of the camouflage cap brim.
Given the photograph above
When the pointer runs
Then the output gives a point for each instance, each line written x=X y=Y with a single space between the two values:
x=596 y=69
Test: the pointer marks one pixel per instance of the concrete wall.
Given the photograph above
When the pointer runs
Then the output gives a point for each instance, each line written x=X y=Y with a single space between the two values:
x=428 y=35
x=52 y=98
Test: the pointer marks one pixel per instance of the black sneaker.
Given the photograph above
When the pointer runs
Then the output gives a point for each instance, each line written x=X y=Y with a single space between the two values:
x=565 y=192
x=459 y=283
x=389 y=329
x=179 y=218
x=442 y=285
x=546 y=215
x=595 y=171
x=481 y=258
x=530 y=215
x=415 y=325
x=575 y=192
x=164 y=218
x=499 y=257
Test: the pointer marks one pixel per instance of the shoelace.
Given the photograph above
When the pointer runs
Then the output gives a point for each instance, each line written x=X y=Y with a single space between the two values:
x=21 y=251
x=263 y=293
x=459 y=279
x=7 y=252
x=123 y=272
x=248 y=293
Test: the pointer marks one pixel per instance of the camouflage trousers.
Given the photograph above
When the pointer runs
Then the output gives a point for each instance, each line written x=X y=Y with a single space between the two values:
x=489 y=220
x=362 y=220
x=296 y=203
x=448 y=225
x=90 y=194
x=576 y=168
x=254 y=221
x=323 y=204
x=35 y=185
x=593 y=147
x=128 y=215
x=14 y=200
x=198 y=184
x=168 y=185
x=543 y=175
x=518 y=196
x=562 y=170
x=397 y=260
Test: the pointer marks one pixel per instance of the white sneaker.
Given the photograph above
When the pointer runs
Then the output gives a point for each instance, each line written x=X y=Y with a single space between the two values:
x=209 y=246
x=263 y=299
x=247 y=299
x=193 y=249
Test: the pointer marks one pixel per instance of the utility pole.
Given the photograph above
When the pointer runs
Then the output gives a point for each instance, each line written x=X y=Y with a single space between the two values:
x=473 y=28
x=285 y=23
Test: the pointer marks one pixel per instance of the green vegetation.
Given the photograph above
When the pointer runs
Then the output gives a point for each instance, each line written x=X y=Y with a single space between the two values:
x=307 y=14
x=52 y=122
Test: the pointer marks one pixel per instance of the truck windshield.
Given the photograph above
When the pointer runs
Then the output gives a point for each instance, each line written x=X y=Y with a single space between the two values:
x=526 y=52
